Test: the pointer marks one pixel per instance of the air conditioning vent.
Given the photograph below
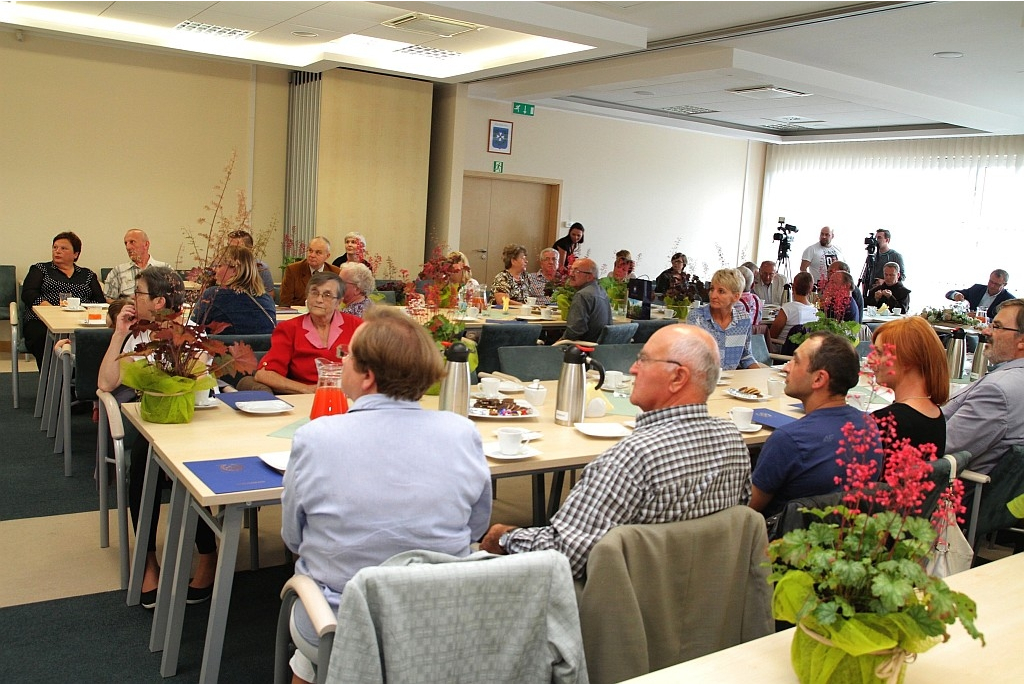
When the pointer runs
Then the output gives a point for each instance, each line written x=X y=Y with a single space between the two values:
x=429 y=25
x=213 y=30
x=768 y=93
x=688 y=109
x=423 y=51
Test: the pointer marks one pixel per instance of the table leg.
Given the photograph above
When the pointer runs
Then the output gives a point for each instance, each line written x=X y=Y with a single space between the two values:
x=138 y=569
x=49 y=380
x=538 y=499
x=220 y=601
x=557 y=479
x=44 y=375
x=168 y=633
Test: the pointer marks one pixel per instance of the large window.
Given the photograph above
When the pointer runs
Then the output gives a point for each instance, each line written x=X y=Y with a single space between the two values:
x=955 y=207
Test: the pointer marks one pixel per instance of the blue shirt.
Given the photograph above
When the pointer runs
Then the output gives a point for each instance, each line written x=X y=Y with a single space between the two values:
x=244 y=313
x=733 y=342
x=799 y=459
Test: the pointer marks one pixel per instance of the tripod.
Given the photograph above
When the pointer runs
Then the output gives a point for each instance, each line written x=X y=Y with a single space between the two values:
x=865 y=275
x=782 y=266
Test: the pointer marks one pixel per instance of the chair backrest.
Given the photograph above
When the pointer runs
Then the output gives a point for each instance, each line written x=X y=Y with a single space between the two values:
x=759 y=348
x=617 y=334
x=788 y=346
x=689 y=588
x=90 y=346
x=259 y=342
x=422 y=616
x=8 y=289
x=527 y=362
x=104 y=272
x=388 y=295
x=645 y=328
x=940 y=477
x=1007 y=483
x=617 y=357
x=495 y=336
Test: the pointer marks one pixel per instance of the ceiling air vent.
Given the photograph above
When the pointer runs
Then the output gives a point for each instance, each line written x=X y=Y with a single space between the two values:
x=768 y=93
x=423 y=51
x=213 y=30
x=688 y=109
x=429 y=25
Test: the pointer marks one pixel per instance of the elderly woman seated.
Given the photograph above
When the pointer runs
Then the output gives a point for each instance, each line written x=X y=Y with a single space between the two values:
x=726 y=320
x=289 y=367
x=358 y=281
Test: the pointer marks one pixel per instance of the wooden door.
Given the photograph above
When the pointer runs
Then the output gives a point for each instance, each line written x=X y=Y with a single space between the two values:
x=498 y=211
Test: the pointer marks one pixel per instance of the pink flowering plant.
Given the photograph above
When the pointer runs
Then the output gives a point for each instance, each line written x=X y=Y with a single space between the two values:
x=855 y=579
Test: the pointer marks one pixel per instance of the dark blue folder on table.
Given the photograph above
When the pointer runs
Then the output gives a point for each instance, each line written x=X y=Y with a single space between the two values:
x=233 y=398
x=771 y=418
x=236 y=475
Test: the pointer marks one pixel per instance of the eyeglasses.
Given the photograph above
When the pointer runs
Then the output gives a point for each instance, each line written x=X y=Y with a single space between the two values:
x=1000 y=327
x=580 y=271
x=643 y=358
x=317 y=295
x=140 y=292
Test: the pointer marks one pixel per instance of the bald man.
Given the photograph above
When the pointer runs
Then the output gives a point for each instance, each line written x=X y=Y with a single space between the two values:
x=590 y=310
x=680 y=463
x=120 y=282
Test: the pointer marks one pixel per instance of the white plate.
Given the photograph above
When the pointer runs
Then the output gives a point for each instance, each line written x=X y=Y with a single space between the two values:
x=602 y=430
x=264 y=407
x=91 y=322
x=479 y=395
x=744 y=396
x=622 y=388
x=629 y=423
x=754 y=427
x=480 y=413
x=276 y=460
x=73 y=309
x=209 y=404
x=529 y=436
x=493 y=452
x=531 y=317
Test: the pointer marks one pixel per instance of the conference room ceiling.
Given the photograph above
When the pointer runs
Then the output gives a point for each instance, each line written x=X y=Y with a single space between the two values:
x=771 y=71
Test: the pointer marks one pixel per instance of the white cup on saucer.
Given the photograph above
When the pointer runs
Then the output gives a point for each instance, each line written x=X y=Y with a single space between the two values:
x=546 y=314
x=531 y=301
x=613 y=379
x=743 y=417
x=489 y=387
x=74 y=303
x=472 y=312
x=896 y=311
x=511 y=440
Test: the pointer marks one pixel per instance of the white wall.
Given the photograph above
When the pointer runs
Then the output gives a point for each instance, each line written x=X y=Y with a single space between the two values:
x=649 y=189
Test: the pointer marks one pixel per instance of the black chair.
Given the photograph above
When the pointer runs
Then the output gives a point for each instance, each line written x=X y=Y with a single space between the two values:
x=495 y=336
x=617 y=334
x=617 y=357
x=646 y=328
x=986 y=512
x=104 y=272
x=8 y=289
x=527 y=362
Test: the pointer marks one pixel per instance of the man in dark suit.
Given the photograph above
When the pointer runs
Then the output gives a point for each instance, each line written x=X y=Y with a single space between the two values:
x=296 y=276
x=987 y=296
x=891 y=291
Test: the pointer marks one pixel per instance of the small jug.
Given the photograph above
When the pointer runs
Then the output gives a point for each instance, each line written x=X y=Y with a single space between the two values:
x=454 y=393
x=329 y=398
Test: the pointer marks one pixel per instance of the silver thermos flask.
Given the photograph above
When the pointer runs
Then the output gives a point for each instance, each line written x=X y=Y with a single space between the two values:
x=572 y=384
x=454 y=395
x=956 y=353
x=980 y=366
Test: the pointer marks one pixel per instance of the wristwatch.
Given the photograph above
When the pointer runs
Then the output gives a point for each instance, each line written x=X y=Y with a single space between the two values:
x=503 y=539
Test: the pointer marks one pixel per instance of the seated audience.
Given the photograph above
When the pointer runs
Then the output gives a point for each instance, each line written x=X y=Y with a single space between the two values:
x=891 y=292
x=838 y=300
x=674 y=276
x=120 y=282
x=797 y=312
x=289 y=367
x=157 y=288
x=988 y=417
x=858 y=297
x=769 y=285
x=680 y=463
x=238 y=298
x=982 y=296
x=346 y=509
x=359 y=283
x=751 y=302
x=590 y=311
x=799 y=459
x=912 y=361
x=297 y=275
x=355 y=250
x=512 y=284
x=242 y=238
x=620 y=273
x=726 y=320
x=542 y=282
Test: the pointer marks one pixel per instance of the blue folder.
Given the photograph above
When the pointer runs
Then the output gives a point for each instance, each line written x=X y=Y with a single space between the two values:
x=233 y=398
x=771 y=418
x=238 y=474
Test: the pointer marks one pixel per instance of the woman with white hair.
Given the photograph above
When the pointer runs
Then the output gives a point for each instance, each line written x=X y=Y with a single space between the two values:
x=358 y=281
x=355 y=250
x=726 y=320
x=750 y=301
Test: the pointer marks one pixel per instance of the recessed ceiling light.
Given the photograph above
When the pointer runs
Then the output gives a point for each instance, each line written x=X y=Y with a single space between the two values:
x=305 y=34
x=200 y=28
x=948 y=55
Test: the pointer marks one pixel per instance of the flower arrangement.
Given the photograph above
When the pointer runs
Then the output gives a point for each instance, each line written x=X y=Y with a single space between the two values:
x=949 y=316
x=293 y=248
x=445 y=333
x=439 y=271
x=178 y=359
x=394 y=279
x=854 y=582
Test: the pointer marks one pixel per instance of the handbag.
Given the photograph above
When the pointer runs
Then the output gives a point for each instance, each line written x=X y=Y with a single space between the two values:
x=952 y=553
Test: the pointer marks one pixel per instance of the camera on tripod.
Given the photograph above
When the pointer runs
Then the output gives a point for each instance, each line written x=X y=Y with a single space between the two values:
x=871 y=243
x=784 y=235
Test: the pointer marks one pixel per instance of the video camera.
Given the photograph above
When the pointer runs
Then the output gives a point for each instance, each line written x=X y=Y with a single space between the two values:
x=871 y=243
x=783 y=235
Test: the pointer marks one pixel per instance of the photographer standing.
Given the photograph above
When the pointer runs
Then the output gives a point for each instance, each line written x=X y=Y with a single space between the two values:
x=884 y=256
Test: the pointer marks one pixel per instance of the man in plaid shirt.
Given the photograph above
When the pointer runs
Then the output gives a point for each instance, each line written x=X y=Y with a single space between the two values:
x=680 y=462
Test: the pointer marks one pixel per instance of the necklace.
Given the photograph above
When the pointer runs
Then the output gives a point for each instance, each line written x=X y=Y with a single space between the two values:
x=914 y=397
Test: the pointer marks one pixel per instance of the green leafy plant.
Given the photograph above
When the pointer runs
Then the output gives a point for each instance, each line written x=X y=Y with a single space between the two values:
x=848 y=329
x=949 y=316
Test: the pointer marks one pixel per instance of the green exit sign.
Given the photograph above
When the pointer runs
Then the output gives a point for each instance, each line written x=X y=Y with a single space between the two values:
x=522 y=108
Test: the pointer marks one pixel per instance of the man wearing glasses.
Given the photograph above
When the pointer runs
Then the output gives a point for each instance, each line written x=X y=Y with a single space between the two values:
x=680 y=463
x=590 y=310
x=297 y=275
x=987 y=297
x=769 y=285
x=988 y=417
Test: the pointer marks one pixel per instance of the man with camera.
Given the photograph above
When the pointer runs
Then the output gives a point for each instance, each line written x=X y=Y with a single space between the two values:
x=885 y=255
x=818 y=257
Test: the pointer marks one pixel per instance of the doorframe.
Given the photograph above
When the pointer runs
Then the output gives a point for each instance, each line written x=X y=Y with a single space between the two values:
x=555 y=191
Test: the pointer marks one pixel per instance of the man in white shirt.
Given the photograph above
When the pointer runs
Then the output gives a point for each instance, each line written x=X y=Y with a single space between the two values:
x=769 y=285
x=120 y=282
x=818 y=257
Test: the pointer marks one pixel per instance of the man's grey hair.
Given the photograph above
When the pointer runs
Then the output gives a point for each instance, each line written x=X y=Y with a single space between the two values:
x=1002 y=274
x=358 y=235
x=893 y=265
x=359 y=275
x=320 y=237
x=702 y=360
x=546 y=250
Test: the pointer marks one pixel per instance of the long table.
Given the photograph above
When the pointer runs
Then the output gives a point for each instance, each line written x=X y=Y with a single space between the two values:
x=961 y=660
x=222 y=432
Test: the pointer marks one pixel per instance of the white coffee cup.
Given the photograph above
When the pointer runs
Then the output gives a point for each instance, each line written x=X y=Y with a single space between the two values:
x=613 y=379
x=776 y=387
x=202 y=397
x=510 y=440
x=489 y=386
x=526 y=310
x=535 y=396
x=531 y=301
x=472 y=312
x=742 y=417
x=897 y=311
x=74 y=302
x=546 y=313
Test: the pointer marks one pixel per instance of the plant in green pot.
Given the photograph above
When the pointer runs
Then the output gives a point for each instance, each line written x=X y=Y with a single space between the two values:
x=179 y=359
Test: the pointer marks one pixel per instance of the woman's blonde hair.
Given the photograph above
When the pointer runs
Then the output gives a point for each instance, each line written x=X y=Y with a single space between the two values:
x=246 y=277
x=730 y=278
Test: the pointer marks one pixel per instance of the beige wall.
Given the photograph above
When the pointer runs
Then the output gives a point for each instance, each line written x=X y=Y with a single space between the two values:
x=374 y=163
x=98 y=140
x=649 y=189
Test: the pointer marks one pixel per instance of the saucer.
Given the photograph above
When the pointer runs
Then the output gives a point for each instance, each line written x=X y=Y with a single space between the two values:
x=93 y=322
x=73 y=309
x=753 y=428
x=492 y=451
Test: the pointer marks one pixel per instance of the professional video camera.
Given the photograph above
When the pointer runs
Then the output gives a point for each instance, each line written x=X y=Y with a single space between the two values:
x=872 y=244
x=783 y=235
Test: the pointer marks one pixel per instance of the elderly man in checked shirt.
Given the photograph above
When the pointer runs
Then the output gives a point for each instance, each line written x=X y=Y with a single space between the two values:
x=680 y=462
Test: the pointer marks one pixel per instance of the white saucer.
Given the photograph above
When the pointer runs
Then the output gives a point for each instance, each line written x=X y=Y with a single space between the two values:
x=492 y=451
x=93 y=322
x=754 y=427
x=529 y=436
x=209 y=404
x=73 y=309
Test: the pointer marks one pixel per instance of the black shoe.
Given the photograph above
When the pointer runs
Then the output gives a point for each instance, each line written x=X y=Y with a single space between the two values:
x=198 y=595
x=148 y=599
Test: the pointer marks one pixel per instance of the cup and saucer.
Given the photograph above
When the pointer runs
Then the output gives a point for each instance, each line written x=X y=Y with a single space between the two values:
x=743 y=418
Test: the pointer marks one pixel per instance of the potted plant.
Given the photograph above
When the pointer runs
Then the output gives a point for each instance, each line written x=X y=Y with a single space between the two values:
x=854 y=582
x=179 y=359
